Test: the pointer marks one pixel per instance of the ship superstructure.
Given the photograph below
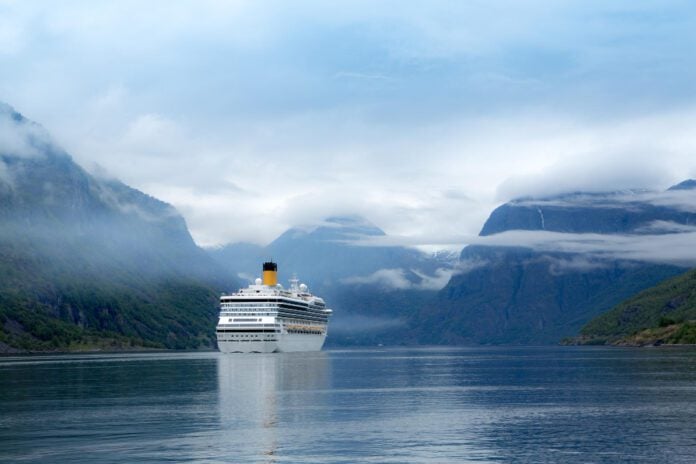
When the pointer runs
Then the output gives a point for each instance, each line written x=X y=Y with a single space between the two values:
x=267 y=318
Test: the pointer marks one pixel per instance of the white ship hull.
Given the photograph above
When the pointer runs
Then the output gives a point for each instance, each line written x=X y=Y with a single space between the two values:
x=285 y=343
x=266 y=318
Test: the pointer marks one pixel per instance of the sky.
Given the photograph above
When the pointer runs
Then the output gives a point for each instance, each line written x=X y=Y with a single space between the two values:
x=251 y=117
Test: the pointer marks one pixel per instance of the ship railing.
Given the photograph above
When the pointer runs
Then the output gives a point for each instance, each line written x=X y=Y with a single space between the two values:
x=248 y=325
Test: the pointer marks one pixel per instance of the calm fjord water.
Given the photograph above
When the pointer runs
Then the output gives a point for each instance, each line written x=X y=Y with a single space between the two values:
x=559 y=404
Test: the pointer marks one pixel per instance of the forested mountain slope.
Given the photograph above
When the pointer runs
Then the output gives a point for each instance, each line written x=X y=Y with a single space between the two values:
x=88 y=262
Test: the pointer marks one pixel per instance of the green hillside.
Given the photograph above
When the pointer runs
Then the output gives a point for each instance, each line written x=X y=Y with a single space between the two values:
x=661 y=314
x=90 y=263
x=80 y=293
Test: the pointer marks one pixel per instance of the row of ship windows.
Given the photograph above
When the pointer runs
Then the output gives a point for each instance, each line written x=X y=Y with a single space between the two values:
x=311 y=332
x=246 y=305
x=284 y=316
x=247 y=338
x=258 y=340
x=248 y=314
x=237 y=314
x=303 y=322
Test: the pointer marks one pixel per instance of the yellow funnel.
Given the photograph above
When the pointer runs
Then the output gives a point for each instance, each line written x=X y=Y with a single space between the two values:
x=270 y=274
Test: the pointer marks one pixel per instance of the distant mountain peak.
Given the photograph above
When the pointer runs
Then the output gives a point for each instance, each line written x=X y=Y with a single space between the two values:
x=8 y=112
x=47 y=185
x=354 y=222
x=611 y=212
x=6 y=109
x=350 y=219
x=689 y=184
x=578 y=195
x=23 y=138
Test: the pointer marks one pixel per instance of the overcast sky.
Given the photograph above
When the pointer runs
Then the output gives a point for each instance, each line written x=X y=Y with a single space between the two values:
x=251 y=117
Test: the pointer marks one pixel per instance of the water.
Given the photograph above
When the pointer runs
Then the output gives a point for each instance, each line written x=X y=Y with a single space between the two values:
x=556 y=405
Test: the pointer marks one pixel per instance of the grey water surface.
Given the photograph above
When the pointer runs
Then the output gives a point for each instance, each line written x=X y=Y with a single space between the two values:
x=554 y=404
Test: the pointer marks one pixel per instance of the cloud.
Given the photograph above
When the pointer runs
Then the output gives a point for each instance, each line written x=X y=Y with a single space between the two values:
x=666 y=227
x=674 y=248
x=639 y=152
x=466 y=265
x=435 y=282
x=437 y=185
x=162 y=212
x=392 y=279
x=11 y=36
x=252 y=117
x=396 y=279
x=681 y=200
x=607 y=171
x=20 y=137
x=627 y=200
x=572 y=264
x=659 y=241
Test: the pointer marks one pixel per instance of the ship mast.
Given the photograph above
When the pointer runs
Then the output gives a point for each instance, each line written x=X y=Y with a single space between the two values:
x=294 y=281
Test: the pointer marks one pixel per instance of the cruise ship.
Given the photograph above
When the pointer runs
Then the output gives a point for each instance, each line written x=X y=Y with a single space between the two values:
x=267 y=318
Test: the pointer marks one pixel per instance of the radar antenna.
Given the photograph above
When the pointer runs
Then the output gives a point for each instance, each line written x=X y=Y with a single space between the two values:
x=293 y=282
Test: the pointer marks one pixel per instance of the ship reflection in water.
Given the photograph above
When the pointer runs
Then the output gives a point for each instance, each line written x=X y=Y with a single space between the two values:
x=254 y=389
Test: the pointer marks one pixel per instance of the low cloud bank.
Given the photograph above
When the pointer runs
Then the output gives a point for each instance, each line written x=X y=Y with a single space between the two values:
x=607 y=170
x=679 y=200
x=673 y=248
x=20 y=137
x=397 y=279
x=658 y=242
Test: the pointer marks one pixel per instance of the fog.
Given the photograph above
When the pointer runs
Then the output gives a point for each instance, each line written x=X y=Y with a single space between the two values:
x=397 y=279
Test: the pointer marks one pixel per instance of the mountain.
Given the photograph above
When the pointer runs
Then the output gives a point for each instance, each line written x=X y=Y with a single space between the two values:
x=89 y=262
x=500 y=294
x=665 y=313
x=373 y=289
x=525 y=295
x=330 y=254
x=689 y=184
x=601 y=213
